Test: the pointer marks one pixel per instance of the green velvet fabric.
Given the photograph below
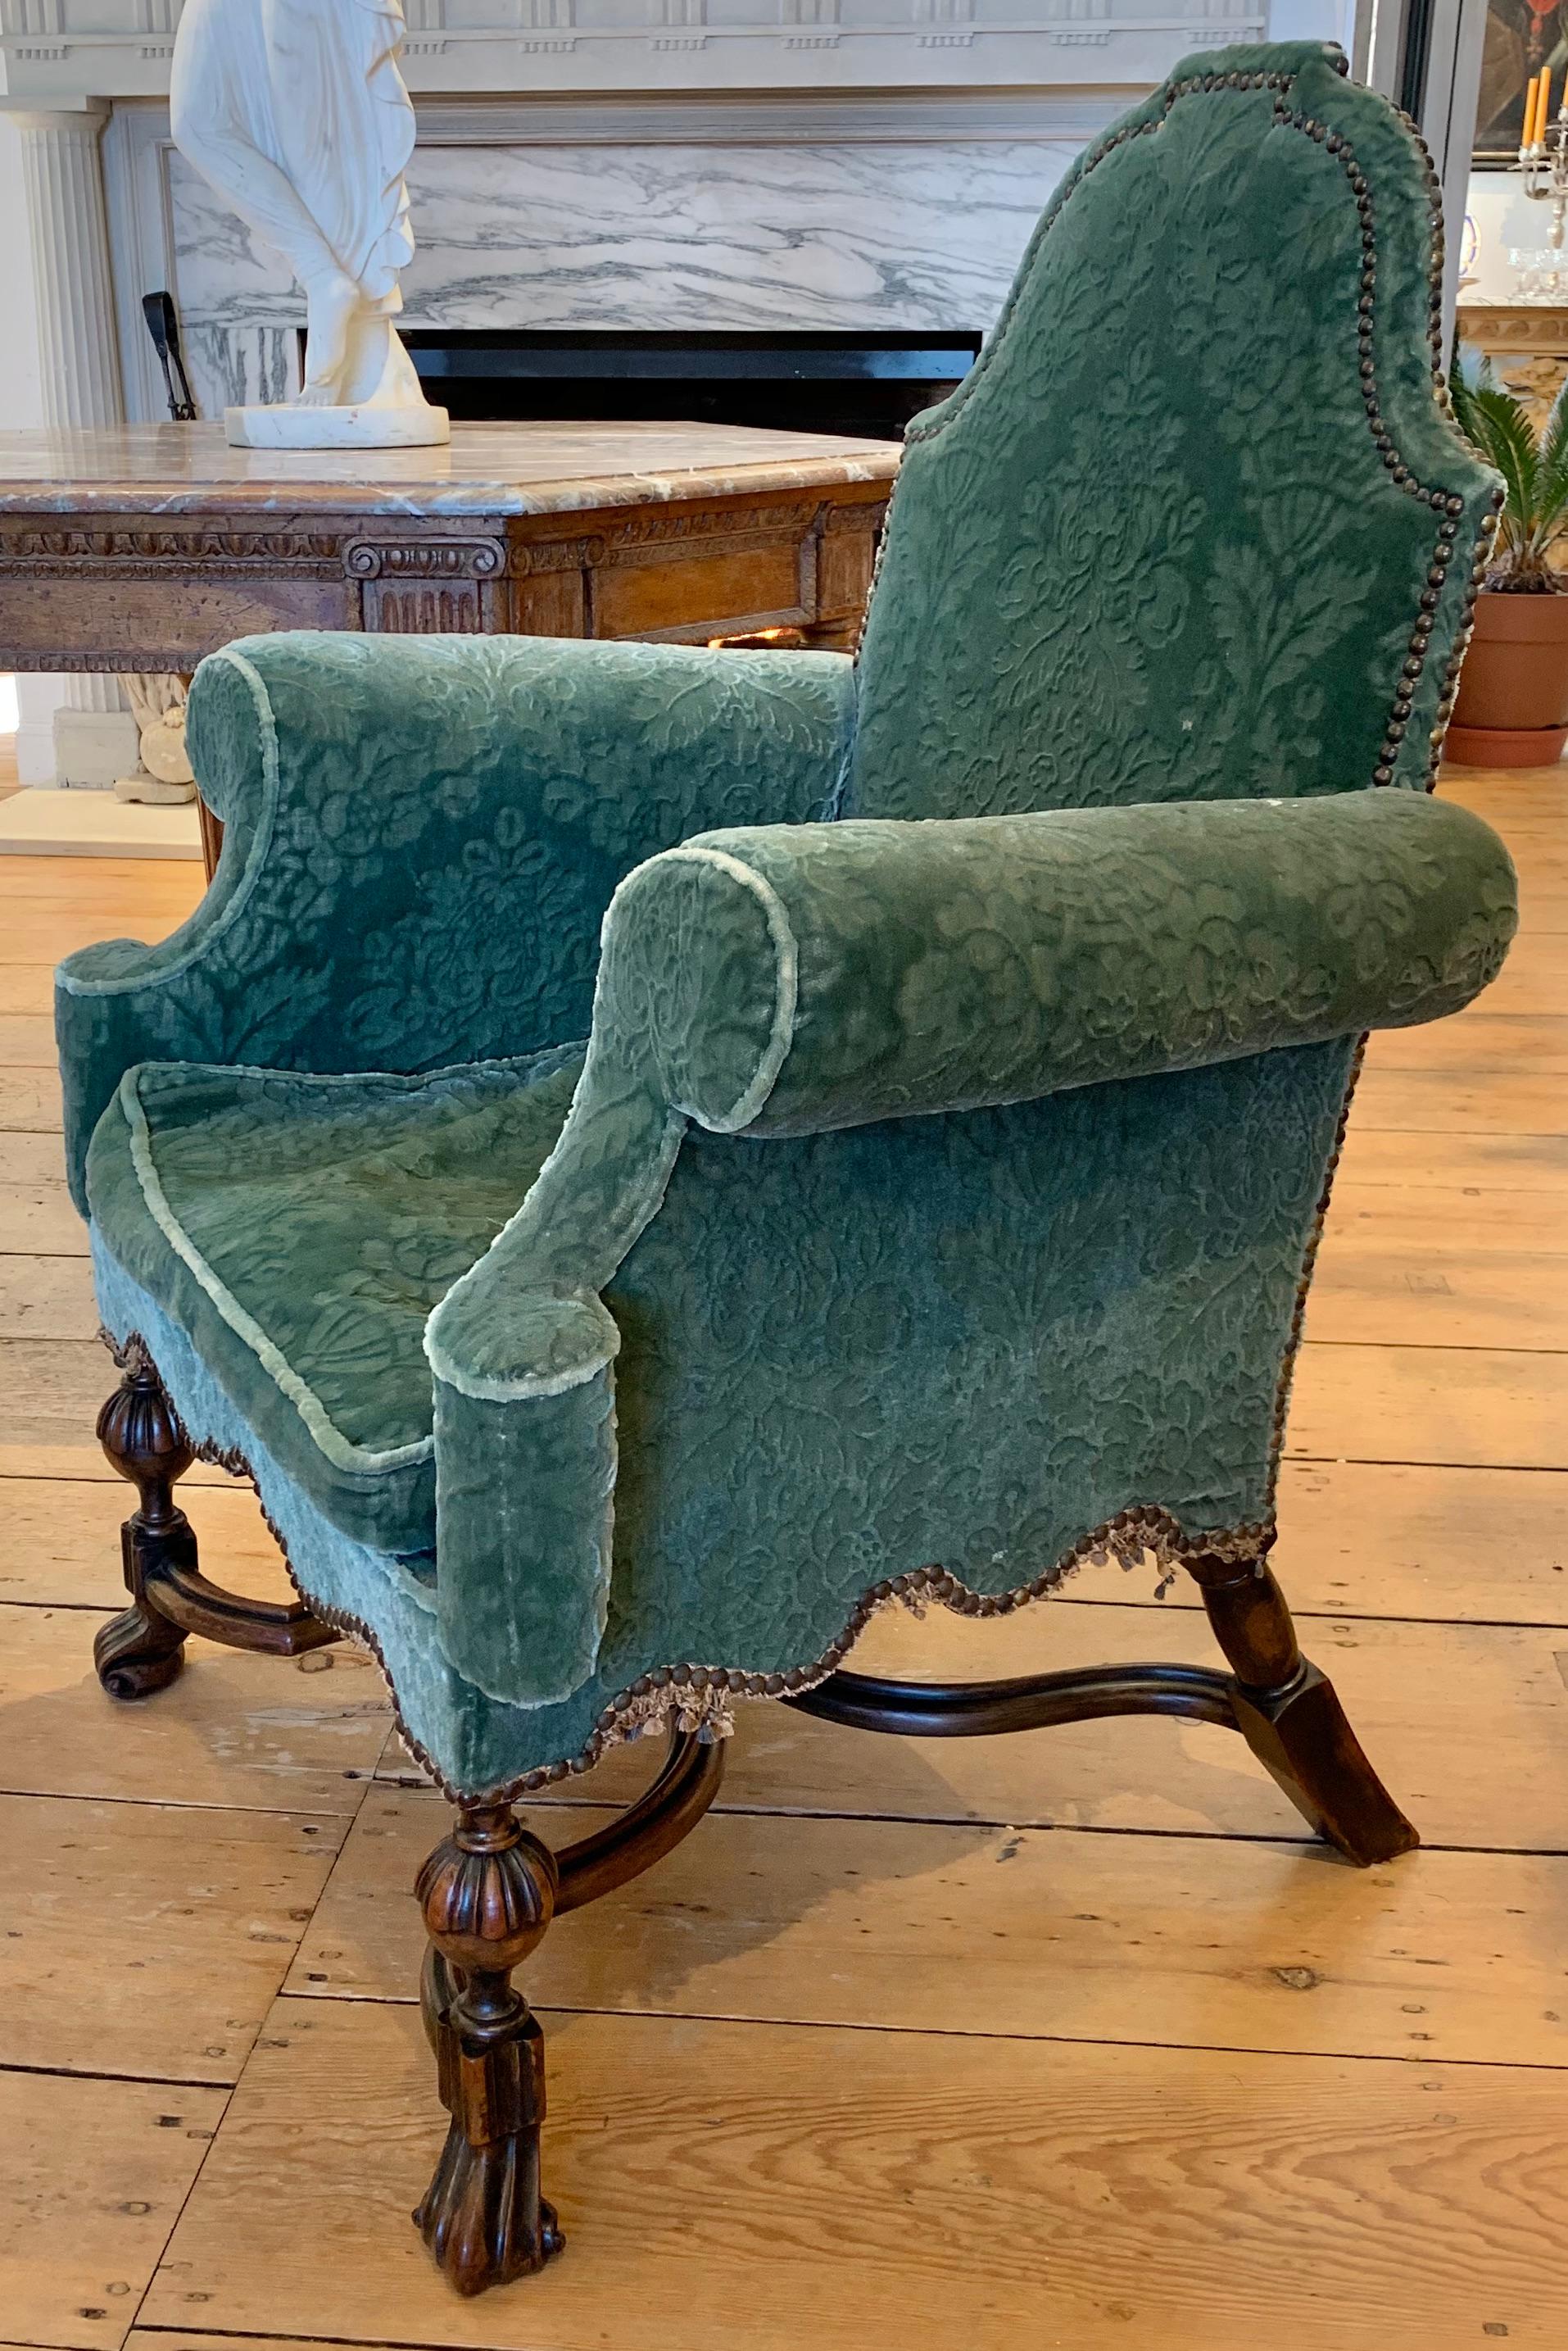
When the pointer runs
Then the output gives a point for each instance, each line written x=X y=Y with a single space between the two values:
x=1148 y=549
x=789 y=978
x=1093 y=1289
x=303 y=1228
x=933 y=1196
x=421 y=837
x=781 y=981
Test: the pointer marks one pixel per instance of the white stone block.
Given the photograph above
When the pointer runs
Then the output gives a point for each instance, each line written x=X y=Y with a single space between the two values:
x=94 y=748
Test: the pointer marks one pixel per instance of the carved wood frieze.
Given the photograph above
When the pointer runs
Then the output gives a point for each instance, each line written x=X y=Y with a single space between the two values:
x=644 y=525
x=437 y=586
x=428 y=612
x=139 y=550
x=718 y=527
x=425 y=559
x=1527 y=343
x=1515 y=327
x=125 y=592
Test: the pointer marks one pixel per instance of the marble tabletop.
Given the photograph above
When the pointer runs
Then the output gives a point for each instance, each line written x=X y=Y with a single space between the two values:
x=533 y=467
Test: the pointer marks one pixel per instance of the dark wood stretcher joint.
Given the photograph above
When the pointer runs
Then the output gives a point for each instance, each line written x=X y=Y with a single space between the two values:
x=490 y=1888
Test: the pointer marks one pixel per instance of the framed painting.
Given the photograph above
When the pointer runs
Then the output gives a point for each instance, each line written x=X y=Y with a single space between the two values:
x=1521 y=35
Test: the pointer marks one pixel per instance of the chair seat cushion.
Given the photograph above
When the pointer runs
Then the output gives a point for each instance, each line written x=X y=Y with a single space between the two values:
x=300 y=1229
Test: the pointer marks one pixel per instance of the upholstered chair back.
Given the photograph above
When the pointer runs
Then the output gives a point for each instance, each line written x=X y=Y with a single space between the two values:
x=1193 y=528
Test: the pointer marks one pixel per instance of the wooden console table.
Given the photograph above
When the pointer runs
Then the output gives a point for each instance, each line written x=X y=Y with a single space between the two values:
x=144 y=548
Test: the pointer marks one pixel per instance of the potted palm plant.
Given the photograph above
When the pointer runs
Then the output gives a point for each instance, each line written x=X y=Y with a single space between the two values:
x=1512 y=704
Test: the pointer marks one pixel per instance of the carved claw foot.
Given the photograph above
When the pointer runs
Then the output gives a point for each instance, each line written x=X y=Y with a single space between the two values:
x=482 y=2216
x=137 y=1652
x=488 y=1893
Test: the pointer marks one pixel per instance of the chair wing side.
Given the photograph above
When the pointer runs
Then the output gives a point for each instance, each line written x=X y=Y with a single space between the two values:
x=421 y=838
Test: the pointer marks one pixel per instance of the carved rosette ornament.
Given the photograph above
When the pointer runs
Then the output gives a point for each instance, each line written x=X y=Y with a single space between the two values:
x=488 y=1893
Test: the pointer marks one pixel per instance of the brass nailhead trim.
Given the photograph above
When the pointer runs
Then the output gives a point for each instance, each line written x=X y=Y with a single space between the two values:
x=1450 y=504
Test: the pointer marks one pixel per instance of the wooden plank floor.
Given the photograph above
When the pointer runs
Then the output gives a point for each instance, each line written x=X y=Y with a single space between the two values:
x=1070 y=2040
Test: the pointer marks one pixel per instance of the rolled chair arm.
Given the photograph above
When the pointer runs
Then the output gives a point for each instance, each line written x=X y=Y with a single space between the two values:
x=796 y=978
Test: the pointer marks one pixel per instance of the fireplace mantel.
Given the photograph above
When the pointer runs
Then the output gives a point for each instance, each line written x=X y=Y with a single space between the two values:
x=828 y=211
x=59 y=50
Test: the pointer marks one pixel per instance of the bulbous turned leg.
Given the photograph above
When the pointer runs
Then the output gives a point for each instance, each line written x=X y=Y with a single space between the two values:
x=1290 y=1716
x=140 y=1650
x=488 y=1893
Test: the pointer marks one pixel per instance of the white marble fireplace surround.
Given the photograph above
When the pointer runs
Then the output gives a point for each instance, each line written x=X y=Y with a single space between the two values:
x=852 y=164
x=896 y=213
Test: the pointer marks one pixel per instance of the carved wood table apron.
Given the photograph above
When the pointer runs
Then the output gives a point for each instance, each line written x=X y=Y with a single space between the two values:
x=146 y=547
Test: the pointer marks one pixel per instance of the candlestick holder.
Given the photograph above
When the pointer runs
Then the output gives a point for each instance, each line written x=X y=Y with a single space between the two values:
x=1542 y=166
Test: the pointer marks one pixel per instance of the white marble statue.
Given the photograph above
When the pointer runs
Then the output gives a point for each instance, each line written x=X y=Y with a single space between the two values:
x=296 y=113
x=164 y=771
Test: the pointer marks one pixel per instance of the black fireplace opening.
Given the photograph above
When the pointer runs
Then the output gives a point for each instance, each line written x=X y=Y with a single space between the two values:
x=865 y=384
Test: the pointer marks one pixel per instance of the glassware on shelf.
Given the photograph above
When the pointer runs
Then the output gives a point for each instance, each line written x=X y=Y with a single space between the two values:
x=1540 y=271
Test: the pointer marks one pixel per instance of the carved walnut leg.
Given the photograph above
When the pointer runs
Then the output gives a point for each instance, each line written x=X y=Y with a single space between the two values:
x=488 y=1893
x=1290 y=1717
x=140 y=1650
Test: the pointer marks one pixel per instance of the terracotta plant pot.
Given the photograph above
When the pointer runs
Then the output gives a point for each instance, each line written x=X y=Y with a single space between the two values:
x=1513 y=706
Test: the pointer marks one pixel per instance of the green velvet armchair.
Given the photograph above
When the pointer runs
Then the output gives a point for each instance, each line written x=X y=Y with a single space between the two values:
x=645 y=1156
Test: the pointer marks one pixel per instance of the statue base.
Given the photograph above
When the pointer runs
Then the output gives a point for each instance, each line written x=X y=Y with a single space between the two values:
x=153 y=792
x=413 y=426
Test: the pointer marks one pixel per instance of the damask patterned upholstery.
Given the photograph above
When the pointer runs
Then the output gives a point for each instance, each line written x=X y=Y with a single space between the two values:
x=920 y=1203
x=1166 y=541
